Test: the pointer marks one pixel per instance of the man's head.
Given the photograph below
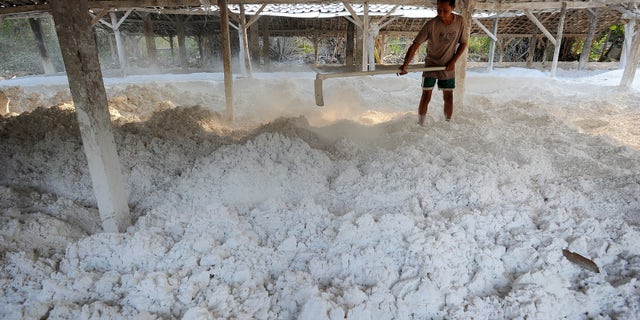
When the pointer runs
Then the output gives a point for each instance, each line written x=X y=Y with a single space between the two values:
x=445 y=9
x=452 y=3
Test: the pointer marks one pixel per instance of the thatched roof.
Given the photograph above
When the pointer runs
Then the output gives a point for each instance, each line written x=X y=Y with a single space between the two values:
x=288 y=17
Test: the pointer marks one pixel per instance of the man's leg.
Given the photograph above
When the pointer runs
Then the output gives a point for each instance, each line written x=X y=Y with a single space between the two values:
x=424 y=105
x=448 y=103
x=427 y=88
x=447 y=86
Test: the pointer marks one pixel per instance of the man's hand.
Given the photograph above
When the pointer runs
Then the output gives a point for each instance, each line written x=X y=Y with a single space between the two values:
x=450 y=66
x=403 y=70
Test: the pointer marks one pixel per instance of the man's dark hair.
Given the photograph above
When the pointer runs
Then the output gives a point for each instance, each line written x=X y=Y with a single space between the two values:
x=451 y=2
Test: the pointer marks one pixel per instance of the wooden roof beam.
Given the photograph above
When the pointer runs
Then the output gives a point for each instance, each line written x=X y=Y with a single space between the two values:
x=540 y=26
x=547 y=5
x=483 y=28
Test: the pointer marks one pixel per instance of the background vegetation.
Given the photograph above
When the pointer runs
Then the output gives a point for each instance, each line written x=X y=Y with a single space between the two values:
x=19 y=53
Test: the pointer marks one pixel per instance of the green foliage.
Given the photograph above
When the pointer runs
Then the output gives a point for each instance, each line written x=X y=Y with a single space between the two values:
x=615 y=33
x=479 y=45
x=397 y=46
x=19 y=54
x=479 y=48
x=305 y=45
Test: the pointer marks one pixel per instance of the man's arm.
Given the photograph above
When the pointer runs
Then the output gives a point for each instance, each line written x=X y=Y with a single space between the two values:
x=459 y=51
x=408 y=57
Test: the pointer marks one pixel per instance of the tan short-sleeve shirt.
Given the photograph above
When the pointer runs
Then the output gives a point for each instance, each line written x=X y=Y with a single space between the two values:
x=442 y=43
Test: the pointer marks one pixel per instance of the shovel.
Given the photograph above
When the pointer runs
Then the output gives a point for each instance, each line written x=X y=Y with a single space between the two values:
x=321 y=76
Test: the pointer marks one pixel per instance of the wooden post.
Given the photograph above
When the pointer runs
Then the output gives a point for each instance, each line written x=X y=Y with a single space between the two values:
x=80 y=55
x=350 y=44
x=492 y=46
x=254 y=44
x=632 y=63
x=556 y=52
x=533 y=43
x=461 y=65
x=226 y=57
x=629 y=29
x=266 y=48
x=36 y=27
x=315 y=49
x=374 y=29
x=494 y=39
x=358 y=50
x=200 y=42
x=149 y=38
x=588 y=42
x=208 y=49
x=245 y=59
x=182 y=46
x=173 y=51
x=365 y=37
x=122 y=58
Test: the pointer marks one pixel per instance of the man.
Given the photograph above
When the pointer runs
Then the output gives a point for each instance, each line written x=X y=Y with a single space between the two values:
x=447 y=40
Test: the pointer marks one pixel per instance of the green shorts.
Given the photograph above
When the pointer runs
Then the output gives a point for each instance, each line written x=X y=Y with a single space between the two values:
x=428 y=83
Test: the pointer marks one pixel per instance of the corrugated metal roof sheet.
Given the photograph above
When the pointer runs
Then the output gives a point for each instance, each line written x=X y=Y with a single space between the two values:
x=331 y=10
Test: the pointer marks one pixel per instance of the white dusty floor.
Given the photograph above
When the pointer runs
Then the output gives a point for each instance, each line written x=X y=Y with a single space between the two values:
x=347 y=211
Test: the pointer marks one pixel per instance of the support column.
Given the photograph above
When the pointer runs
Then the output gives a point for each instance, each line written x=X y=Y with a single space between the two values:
x=149 y=38
x=365 y=37
x=493 y=37
x=182 y=45
x=632 y=63
x=36 y=27
x=254 y=45
x=358 y=50
x=80 y=56
x=556 y=52
x=350 y=44
x=374 y=29
x=245 y=59
x=588 y=42
x=492 y=46
x=226 y=56
x=533 y=43
x=173 y=50
x=265 y=43
x=629 y=29
x=315 y=49
x=122 y=58
x=461 y=65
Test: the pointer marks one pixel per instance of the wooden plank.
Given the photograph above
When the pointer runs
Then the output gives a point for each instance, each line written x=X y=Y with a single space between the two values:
x=80 y=55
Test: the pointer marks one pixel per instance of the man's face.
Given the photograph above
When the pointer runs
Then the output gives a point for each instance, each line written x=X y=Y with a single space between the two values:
x=444 y=10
